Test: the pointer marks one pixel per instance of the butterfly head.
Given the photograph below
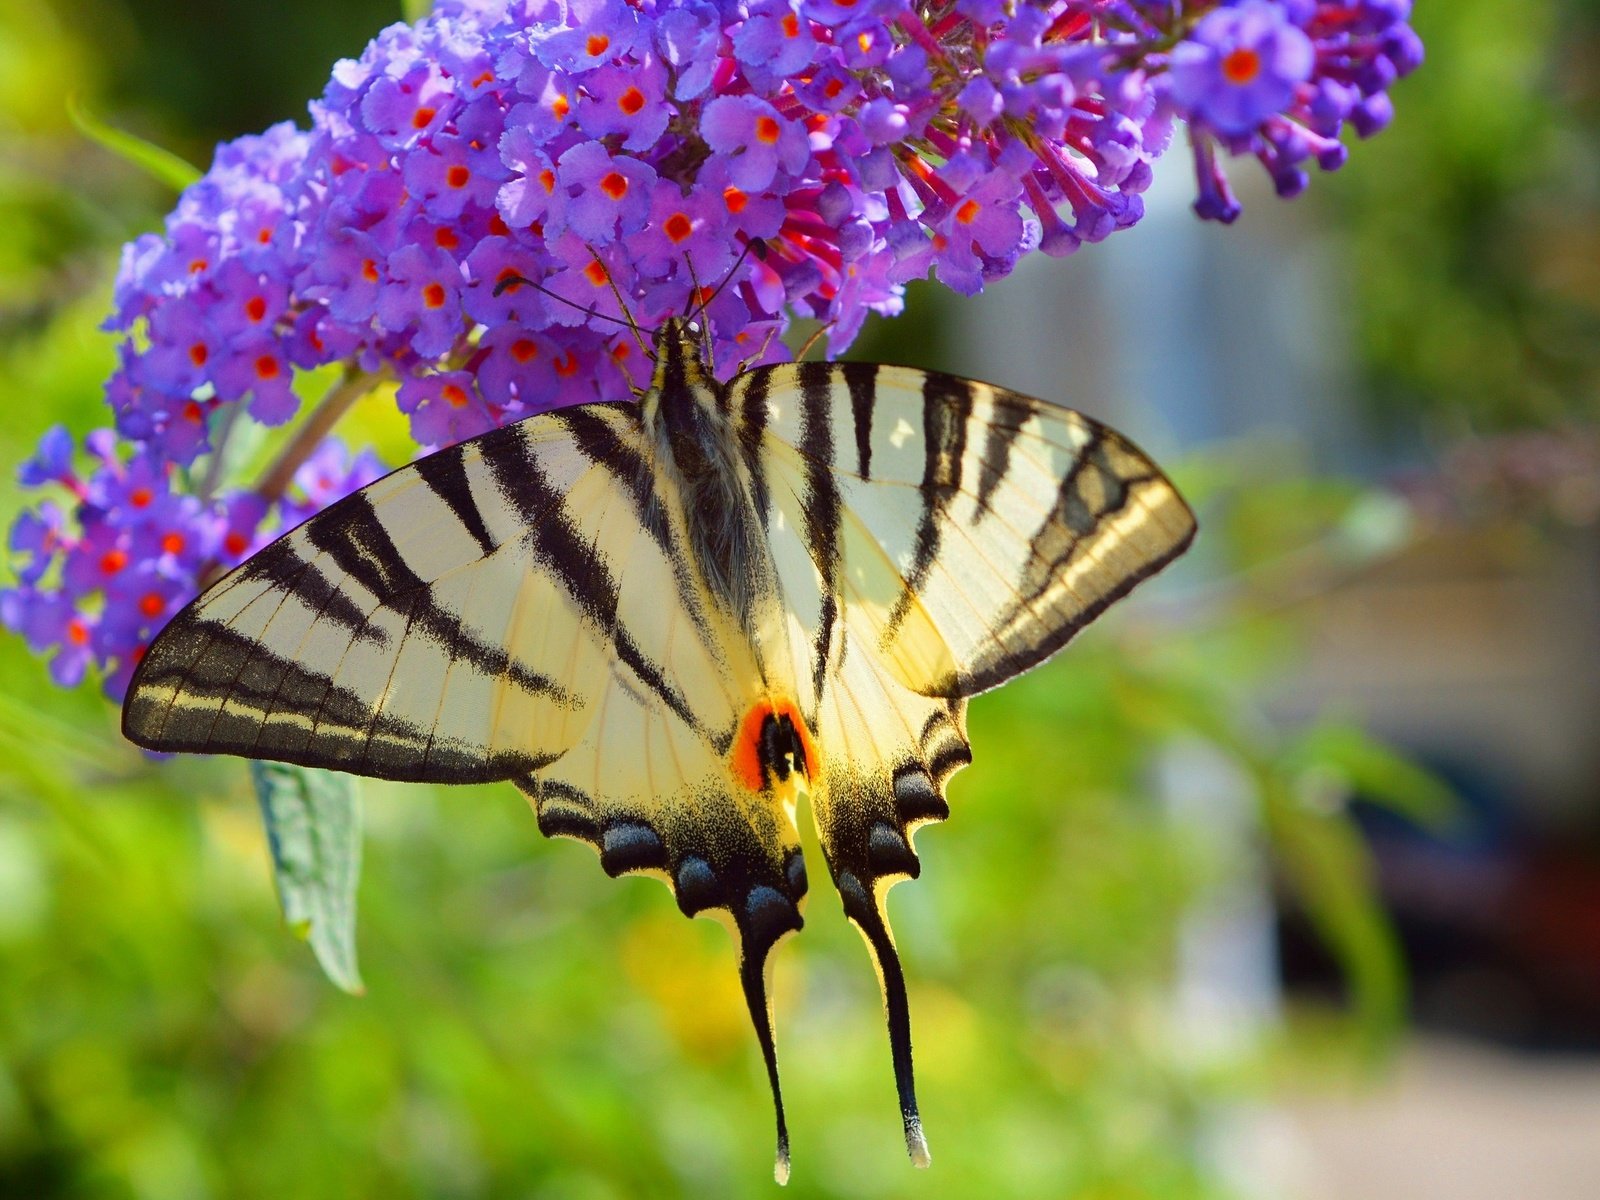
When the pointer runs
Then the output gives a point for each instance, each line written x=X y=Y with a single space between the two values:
x=680 y=354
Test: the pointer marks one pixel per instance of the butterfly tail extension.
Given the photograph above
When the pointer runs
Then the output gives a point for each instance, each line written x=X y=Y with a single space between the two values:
x=755 y=974
x=720 y=859
x=868 y=819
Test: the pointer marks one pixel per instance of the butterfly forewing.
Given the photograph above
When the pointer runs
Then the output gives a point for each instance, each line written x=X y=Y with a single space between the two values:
x=978 y=529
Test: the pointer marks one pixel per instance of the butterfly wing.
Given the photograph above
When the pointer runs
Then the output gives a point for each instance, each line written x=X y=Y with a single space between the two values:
x=406 y=632
x=977 y=529
x=936 y=536
x=522 y=606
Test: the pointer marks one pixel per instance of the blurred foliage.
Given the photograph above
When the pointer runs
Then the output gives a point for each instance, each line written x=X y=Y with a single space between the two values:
x=533 y=1028
x=1475 y=221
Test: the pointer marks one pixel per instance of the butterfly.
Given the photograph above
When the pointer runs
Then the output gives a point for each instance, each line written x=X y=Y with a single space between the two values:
x=665 y=620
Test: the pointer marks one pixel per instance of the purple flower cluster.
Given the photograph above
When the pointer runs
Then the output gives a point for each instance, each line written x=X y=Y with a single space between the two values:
x=135 y=549
x=625 y=156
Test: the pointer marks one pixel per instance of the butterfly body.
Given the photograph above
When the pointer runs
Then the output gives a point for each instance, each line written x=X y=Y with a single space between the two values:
x=664 y=621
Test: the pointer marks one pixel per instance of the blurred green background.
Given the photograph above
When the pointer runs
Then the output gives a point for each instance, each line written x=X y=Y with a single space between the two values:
x=535 y=1029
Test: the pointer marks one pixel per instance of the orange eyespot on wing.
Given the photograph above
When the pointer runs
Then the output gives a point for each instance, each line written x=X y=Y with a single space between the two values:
x=773 y=742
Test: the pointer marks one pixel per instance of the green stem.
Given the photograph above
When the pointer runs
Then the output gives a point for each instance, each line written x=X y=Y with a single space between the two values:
x=276 y=479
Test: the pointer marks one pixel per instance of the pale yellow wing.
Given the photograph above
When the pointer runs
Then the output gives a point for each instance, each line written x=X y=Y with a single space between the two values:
x=975 y=530
x=932 y=537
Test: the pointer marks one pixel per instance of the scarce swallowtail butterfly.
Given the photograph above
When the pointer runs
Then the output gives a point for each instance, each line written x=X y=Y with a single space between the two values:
x=664 y=620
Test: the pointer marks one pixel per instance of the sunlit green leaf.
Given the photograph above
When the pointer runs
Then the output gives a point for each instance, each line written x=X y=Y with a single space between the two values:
x=313 y=821
x=1323 y=859
x=1375 y=772
x=154 y=160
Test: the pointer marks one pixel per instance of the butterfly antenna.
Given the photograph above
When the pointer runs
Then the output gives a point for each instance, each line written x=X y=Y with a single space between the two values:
x=511 y=281
x=622 y=304
x=755 y=245
x=869 y=918
x=812 y=340
x=691 y=313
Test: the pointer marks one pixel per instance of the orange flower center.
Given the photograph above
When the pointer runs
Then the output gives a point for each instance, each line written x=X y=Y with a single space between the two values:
x=369 y=270
x=547 y=180
x=832 y=88
x=597 y=44
x=615 y=185
x=507 y=281
x=524 y=350
x=968 y=212
x=559 y=106
x=198 y=354
x=454 y=395
x=113 y=561
x=77 y=631
x=446 y=238
x=734 y=199
x=677 y=227
x=140 y=497
x=1241 y=66
x=235 y=543
x=595 y=272
x=266 y=367
x=255 y=308
x=433 y=295
x=631 y=101
x=172 y=543
x=791 y=25
x=423 y=117
x=767 y=130
x=566 y=364
x=151 y=604
x=457 y=176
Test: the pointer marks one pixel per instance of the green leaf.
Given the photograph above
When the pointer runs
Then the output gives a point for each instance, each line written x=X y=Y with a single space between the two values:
x=415 y=10
x=313 y=821
x=1375 y=772
x=156 y=161
x=1325 y=861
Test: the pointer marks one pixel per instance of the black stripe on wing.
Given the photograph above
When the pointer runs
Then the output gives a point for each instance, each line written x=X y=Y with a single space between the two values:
x=255 y=690
x=821 y=506
x=946 y=414
x=289 y=575
x=862 y=381
x=596 y=437
x=352 y=535
x=753 y=416
x=1096 y=489
x=579 y=565
x=446 y=475
x=1010 y=414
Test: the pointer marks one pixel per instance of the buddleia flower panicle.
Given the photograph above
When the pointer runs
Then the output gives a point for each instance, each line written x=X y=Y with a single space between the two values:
x=602 y=149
